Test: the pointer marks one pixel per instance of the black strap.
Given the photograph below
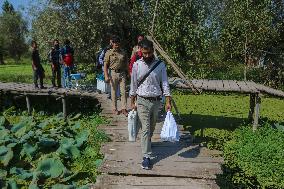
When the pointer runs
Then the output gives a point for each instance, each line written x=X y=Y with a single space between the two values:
x=148 y=73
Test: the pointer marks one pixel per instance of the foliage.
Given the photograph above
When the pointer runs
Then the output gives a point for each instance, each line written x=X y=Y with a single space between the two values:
x=181 y=28
x=39 y=151
x=213 y=118
x=13 y=30
x=21 y=72
x=255 y=159
x=217 y=33
x=88 y=24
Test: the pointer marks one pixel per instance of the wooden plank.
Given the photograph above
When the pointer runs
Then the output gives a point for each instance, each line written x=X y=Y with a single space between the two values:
x=172 y=159
x=135 y=182
x=234 y=86
x=226 y=85
x=204 y=84
x=220 y=86
x=244 y=88
x=211 y=85
x=251 y=86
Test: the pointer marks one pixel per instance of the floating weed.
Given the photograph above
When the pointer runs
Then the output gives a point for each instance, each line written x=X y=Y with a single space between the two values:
x=49 y=152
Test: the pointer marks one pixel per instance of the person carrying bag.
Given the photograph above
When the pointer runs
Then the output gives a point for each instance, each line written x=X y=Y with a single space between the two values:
x=149 y=82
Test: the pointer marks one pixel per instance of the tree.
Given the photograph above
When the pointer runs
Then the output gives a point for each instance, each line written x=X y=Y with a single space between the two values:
x=8 y=7
x=247 y=28
x=88 y=24
x=13 y=29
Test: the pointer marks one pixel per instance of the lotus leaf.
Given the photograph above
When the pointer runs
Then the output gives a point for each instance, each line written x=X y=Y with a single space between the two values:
x=44 y=125
x=76 y=126
x=11 y=145
x=27 y=136
x=51 y=167
x=68 y=148
x=47 y=142
x=62 y=186
x=3 y=173
x=4 y=134
x=82 y=137
x=21 y=128
x=12 y=184
x=3 y=121
x=21 y=173
x=28 y=150
x=84 y=187
x=6 y=154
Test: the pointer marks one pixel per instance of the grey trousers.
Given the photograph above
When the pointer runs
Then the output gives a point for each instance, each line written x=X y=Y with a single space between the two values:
x=147 y=117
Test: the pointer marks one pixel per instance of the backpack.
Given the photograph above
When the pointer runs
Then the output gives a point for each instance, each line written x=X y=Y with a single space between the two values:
x=98 y=64
x=101 y=53
x=67 y=56
x=68 y=59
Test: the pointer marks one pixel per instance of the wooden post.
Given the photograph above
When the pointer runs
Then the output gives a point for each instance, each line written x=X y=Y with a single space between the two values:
x=251 y=108
x=154 y=16
x=28 y=104
x=64 y=106
x=256 y=111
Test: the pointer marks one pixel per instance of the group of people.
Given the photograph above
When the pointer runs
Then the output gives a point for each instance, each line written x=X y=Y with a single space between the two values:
x=149 y=82
x=148 y=75
x=59 y=58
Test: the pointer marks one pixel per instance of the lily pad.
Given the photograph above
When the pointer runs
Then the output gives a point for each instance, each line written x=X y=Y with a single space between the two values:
x=51 y=167
x=6 y=154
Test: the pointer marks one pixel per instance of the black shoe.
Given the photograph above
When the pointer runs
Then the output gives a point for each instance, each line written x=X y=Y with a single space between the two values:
x=146 y=163
x=42 y=87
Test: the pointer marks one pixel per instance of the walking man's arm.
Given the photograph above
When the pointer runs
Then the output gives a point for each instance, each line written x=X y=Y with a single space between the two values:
x=106 y=65
x=133 y=86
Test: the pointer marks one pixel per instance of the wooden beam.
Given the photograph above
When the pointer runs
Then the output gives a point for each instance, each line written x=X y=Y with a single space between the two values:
x=154 y=16
x=28 y=104
x=158 y=47
x=251 y=107
x=256 y=111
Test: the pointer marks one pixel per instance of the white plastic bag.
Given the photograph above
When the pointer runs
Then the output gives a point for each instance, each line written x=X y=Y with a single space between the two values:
x=132 y=126
x=170 y=130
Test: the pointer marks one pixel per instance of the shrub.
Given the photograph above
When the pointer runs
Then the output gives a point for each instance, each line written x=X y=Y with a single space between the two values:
x=215 y=138
x=255 y=159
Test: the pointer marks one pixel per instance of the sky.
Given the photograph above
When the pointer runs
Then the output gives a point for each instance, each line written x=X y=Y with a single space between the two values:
x=22 y=6
x=17 y=3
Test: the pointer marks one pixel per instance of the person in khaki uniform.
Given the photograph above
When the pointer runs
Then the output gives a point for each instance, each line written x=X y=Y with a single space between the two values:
x=116 y=60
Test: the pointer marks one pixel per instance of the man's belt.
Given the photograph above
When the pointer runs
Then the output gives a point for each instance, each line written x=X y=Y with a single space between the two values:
x=157 y=98
x=118 y=70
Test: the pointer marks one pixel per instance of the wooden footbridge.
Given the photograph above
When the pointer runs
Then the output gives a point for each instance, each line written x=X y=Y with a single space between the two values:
x=28 y=91
x=182 y=165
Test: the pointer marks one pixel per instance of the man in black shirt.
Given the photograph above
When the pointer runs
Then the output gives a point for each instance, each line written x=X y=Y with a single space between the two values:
x=37 y=67
x=55 y=58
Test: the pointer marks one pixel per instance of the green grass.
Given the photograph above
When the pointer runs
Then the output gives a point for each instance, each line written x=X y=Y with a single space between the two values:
x=21 y=72
x=223 y=112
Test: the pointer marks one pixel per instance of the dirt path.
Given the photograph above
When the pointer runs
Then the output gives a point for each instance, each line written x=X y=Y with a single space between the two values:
x=181 y=165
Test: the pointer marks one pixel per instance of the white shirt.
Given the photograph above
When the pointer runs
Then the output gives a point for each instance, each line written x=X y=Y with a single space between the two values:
x=151 y=87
